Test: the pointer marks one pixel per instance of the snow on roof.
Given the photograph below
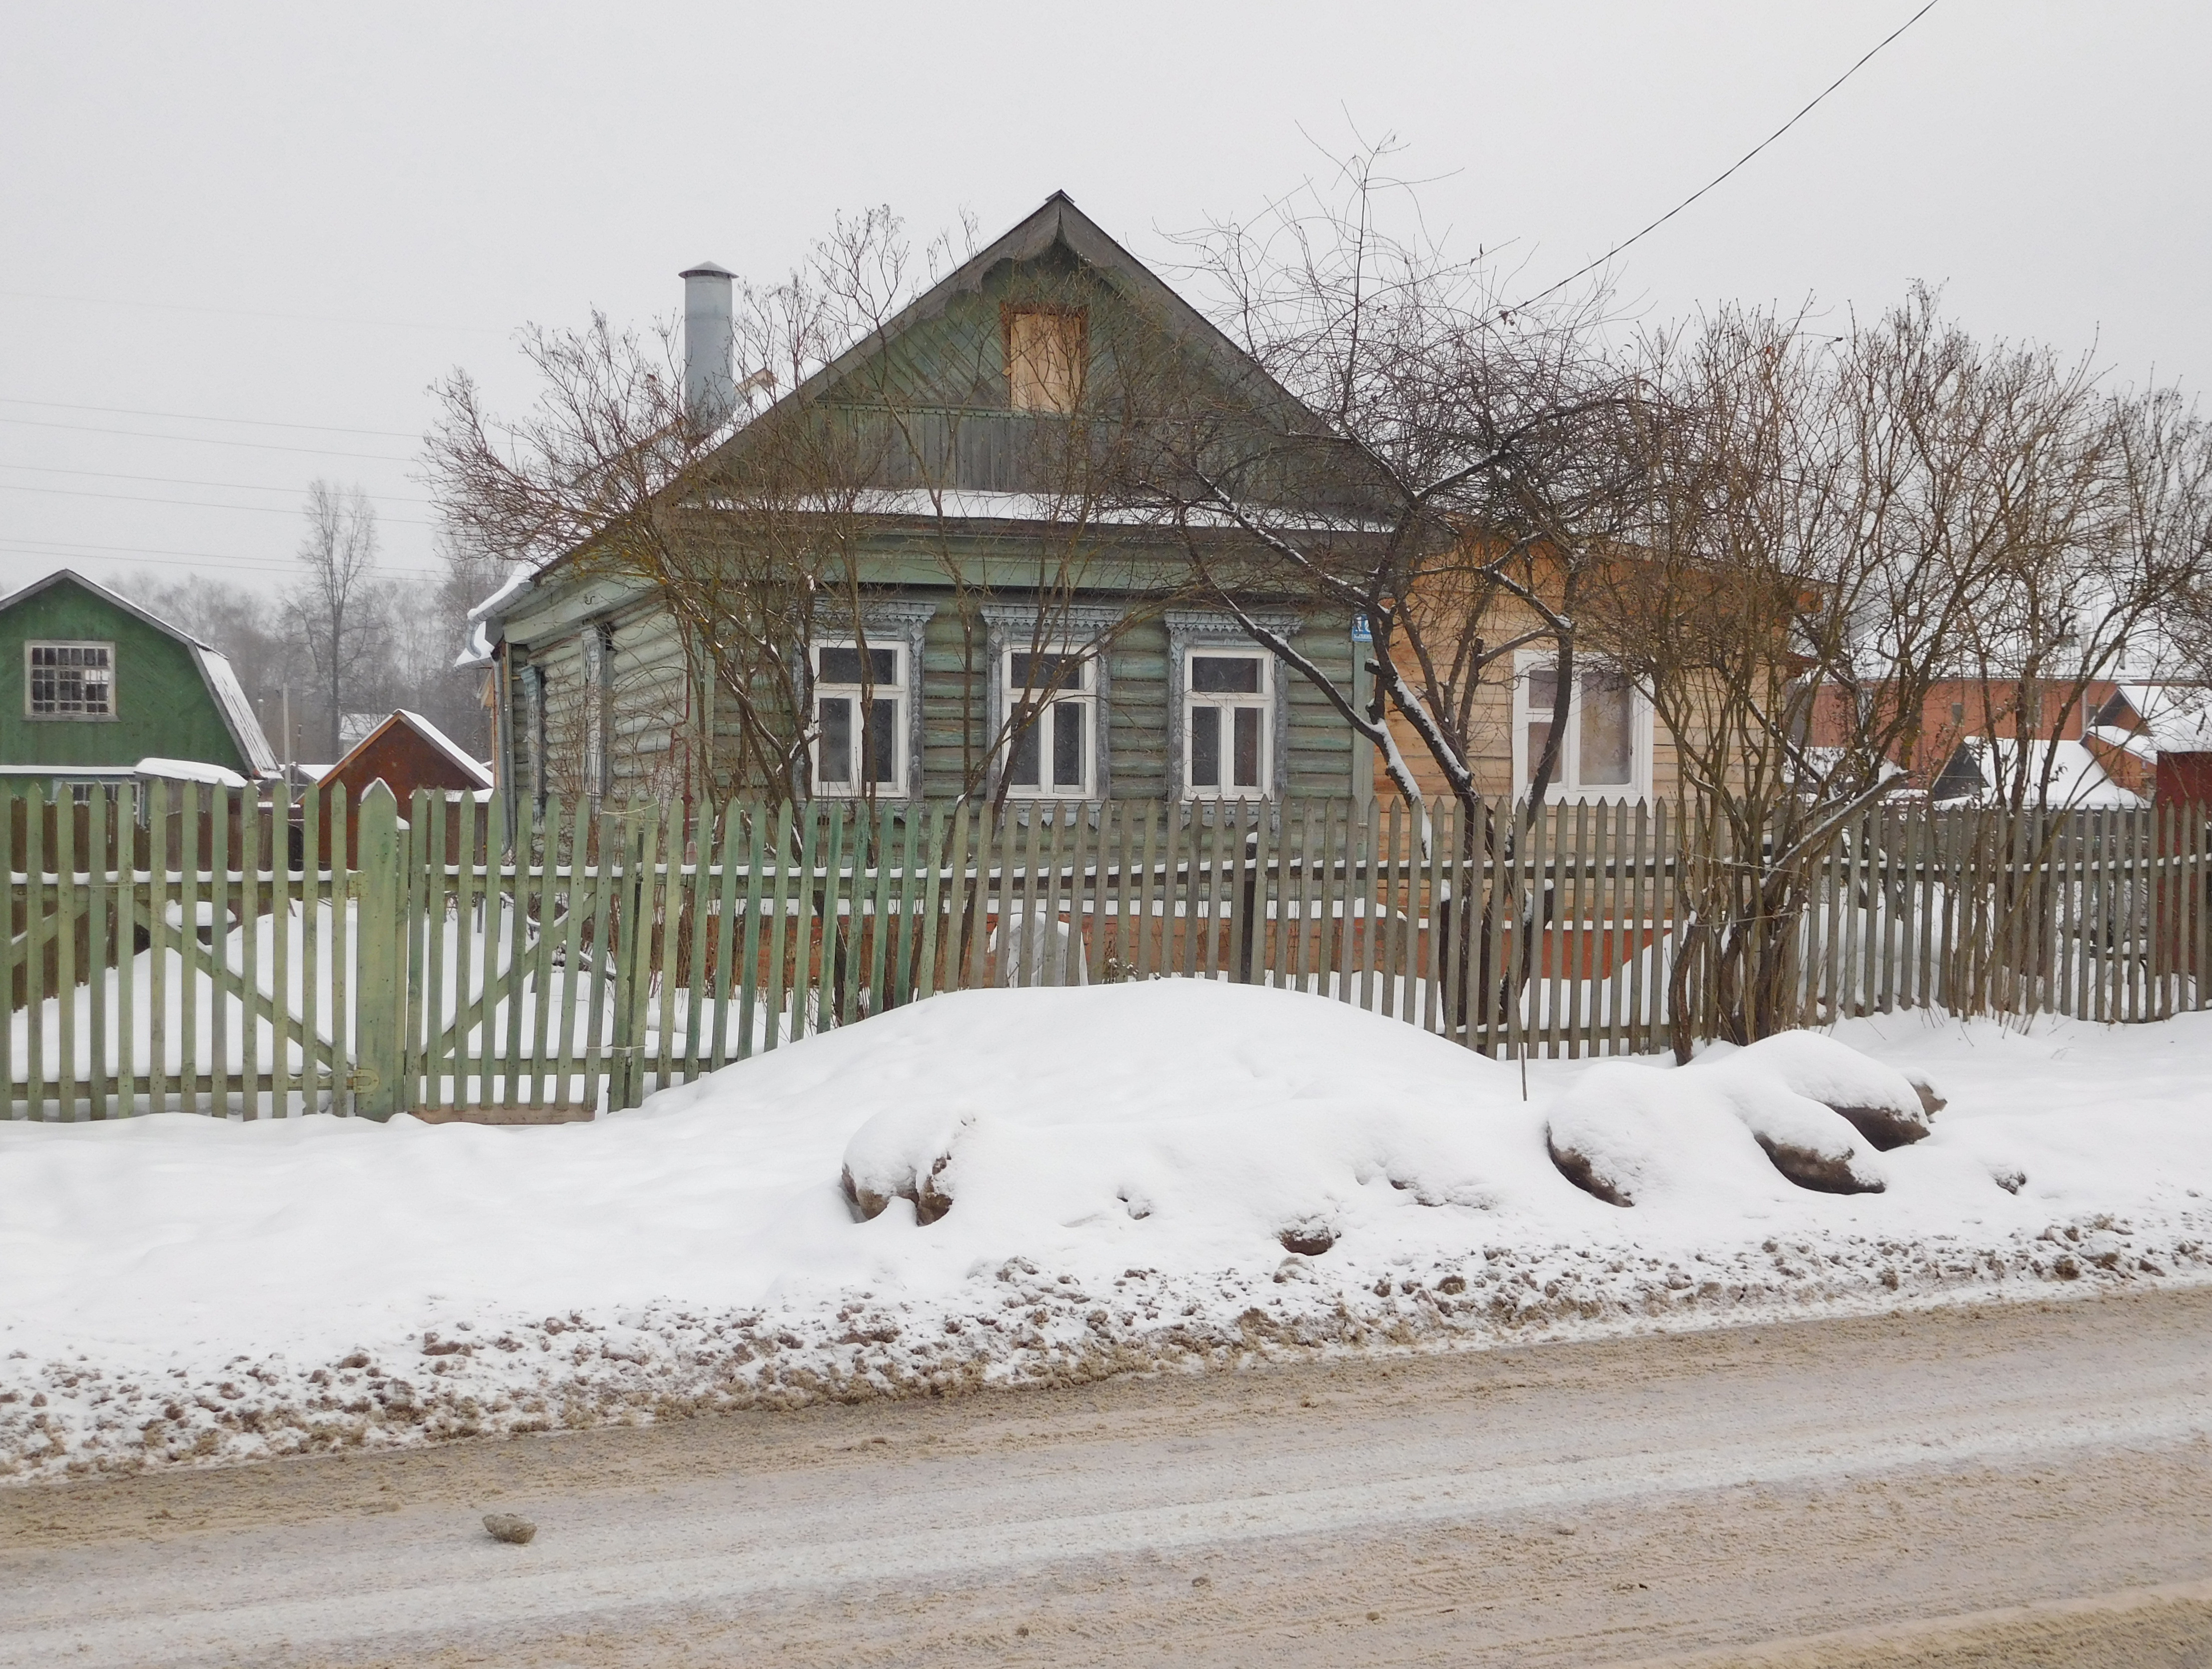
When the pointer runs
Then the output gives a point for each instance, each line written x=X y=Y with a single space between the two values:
x=237 y=711
x=473 y=767
x=476 y=649
x=2177 y=717
x=190 y=771
x=451 y=749
x=2076 y=781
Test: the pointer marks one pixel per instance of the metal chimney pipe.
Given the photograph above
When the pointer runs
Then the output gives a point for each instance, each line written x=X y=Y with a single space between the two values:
x=710 y=394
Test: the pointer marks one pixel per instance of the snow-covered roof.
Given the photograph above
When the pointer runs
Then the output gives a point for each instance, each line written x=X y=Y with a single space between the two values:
x=190 y=771
x=476 y=649
x=470 y=766
x=2177 y=717
x=2076 y=781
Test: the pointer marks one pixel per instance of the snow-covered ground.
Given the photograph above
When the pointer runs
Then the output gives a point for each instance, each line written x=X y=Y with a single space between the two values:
x=1122 y=1169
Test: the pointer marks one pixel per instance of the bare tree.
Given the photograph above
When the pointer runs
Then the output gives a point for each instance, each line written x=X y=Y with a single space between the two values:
x=1416 y=452
x=337 y=605
x=1830 y=528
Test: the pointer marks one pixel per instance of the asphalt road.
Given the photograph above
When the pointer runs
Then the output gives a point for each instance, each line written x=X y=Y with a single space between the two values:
x=2012 y=1484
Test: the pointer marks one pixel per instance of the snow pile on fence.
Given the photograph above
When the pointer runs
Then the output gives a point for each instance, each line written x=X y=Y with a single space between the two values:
x=1042 y=1185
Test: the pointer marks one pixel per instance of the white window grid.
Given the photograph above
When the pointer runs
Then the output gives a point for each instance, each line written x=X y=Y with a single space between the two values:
x=839 y=753
x=1567 y=784
x=1066 y=720
x=1228 y=734
x=69 y=679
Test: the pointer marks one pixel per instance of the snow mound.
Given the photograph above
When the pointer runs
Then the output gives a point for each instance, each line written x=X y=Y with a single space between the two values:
x=1222 y=1117
x=1889 y=1107
x=1721 y=1127
x=1052 y=1186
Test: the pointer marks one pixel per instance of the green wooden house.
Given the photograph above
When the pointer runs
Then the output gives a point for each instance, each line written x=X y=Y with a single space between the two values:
x=987 y=637
x=104 y=687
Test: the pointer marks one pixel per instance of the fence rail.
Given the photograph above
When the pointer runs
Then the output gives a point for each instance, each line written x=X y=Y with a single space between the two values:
x=181 y=948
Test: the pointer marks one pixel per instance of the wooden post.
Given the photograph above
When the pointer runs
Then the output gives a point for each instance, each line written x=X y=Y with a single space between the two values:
x=381 y=990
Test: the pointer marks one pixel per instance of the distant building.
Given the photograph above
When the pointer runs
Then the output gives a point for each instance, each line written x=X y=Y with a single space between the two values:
x=105 y=685
x=405 y=751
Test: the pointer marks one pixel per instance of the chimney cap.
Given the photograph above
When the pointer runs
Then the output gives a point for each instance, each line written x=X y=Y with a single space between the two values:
x=707 y=270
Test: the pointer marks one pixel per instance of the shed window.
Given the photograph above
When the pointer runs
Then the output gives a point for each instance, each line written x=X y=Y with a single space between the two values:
x=1605 y=753
x=859 y=711
x=1044 y=359
x=1227 y=714
x=1051 y=704
x=69 y=680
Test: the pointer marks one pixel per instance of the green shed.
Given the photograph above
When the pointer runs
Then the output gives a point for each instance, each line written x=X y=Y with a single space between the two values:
x=103 y=686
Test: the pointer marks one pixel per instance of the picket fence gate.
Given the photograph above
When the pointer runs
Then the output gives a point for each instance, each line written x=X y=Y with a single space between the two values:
x=187 y=948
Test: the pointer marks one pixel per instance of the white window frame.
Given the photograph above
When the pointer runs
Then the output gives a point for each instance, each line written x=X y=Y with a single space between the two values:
x=895 y=691
x=1261 y=701
x=1567 y=786
x=113 y=706
x=1084 y=695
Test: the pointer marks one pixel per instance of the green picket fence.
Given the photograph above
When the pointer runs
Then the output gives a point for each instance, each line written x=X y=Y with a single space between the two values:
x=183 y=948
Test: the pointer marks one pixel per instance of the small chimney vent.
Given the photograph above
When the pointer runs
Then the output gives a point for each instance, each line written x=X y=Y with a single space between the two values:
x=710 y=394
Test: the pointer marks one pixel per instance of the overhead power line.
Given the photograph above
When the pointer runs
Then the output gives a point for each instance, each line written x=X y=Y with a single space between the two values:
x=191 y=504
x=202 y=439
x=66 y=551
x=196 y=481
x=201 y=417
x=1717 y=179
x=250 y=313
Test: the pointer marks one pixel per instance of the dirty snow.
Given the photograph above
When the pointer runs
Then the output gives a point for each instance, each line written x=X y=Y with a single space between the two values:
x=1170 y=1174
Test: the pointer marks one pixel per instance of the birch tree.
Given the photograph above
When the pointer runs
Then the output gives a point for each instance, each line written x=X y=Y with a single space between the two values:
x=338 y=605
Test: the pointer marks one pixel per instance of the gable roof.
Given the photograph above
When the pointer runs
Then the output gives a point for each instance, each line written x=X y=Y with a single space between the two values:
x=469 y=766
x=1055 y=221
x=215 y=668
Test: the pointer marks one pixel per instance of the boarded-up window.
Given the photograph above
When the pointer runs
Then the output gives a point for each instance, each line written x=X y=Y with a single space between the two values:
x=1044 y=359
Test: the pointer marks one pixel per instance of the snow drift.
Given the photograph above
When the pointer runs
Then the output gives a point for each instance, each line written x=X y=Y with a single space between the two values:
x=1034 y=1185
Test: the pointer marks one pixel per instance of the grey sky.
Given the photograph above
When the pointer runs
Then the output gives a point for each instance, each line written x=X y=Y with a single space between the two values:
x=284 y=214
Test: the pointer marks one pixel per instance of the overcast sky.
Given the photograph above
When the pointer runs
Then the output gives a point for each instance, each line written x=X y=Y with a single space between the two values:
x=275 y=225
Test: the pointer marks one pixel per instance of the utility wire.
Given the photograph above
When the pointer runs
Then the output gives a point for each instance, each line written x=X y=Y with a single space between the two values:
x=202 y=439
x=1718 y=178
x=250 y=313
x=191 y=504
x=200 y=417
x=194 y=481
x=70 y=552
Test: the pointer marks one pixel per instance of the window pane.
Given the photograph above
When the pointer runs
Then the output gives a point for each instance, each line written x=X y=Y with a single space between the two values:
x=1609 y=745
x=1543 y=691
x=1068 y=718
x=70 y=680
x=1205 y=747
x=1024 y=765
x=1234 y=674
x=836 y=745
x=842 y=666
x=1040 y=673
x=883 y=742
x=1247 y=747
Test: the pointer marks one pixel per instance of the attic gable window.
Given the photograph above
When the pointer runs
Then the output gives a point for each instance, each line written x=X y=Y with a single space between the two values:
x=1045 y=350
x=68 y=680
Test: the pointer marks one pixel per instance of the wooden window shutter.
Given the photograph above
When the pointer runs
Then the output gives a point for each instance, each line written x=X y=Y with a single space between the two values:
x=1044 y=359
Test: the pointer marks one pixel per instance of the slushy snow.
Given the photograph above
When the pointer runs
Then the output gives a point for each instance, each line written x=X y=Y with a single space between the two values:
x=1040 y=1186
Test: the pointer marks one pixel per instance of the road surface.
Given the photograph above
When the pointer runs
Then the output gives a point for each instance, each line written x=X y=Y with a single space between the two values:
x=2007 y=1485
